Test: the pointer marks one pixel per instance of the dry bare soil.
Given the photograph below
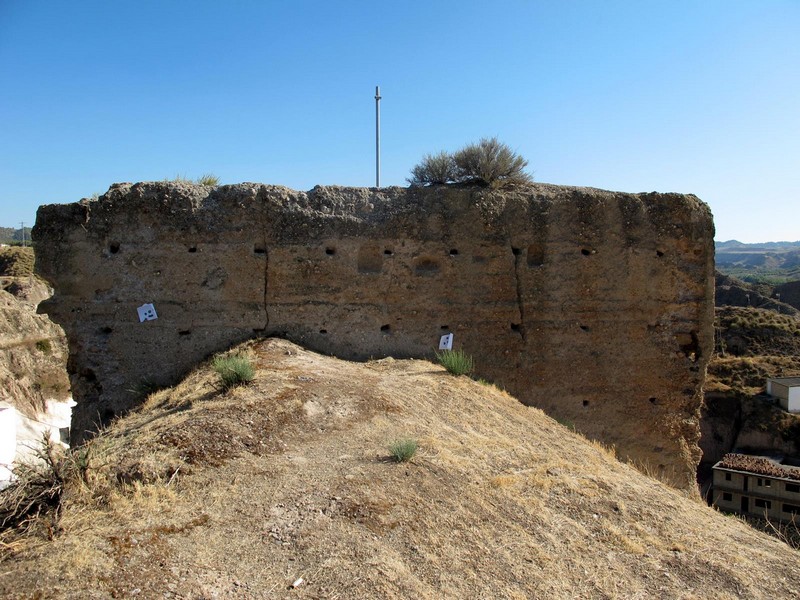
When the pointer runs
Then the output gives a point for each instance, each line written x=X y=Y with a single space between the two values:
x=240 y=494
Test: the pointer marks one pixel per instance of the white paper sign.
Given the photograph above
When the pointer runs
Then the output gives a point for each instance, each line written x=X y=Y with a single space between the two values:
x=147 y=312
x=446 y=342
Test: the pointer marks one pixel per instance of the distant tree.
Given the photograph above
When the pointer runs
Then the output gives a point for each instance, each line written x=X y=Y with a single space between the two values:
x=18 y=237
x=489 y=162
x=6 y=235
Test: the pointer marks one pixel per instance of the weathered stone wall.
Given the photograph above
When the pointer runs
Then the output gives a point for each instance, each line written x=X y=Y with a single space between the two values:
x=595 y=306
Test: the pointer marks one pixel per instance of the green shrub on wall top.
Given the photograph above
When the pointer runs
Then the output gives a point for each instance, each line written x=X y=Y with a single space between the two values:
x=489 y=162
x=434 y=168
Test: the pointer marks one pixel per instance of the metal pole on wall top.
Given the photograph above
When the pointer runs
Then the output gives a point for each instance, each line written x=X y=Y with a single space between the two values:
x=377 y=136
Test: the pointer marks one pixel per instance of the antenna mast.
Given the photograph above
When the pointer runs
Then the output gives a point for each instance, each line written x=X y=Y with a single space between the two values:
x=377 y=136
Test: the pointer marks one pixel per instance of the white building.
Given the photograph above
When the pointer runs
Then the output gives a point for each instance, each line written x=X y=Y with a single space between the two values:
x=21 y=436
x=787 y=391
x=8 y=441
x=757 y=486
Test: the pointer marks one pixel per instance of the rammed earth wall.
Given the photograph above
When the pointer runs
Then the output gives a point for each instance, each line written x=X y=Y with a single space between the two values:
x=595 y=306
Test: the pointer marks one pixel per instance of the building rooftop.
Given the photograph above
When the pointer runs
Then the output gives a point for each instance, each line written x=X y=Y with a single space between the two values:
x=758 y=465
x=788 y=381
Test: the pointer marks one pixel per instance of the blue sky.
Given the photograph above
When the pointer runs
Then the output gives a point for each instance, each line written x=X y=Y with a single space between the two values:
x=699 y=97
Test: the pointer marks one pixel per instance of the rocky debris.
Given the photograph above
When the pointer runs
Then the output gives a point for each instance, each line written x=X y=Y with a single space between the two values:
x=596 y=306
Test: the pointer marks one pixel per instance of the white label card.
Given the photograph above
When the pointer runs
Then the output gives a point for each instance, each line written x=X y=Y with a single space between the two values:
x=147 y=312
x=446 y=342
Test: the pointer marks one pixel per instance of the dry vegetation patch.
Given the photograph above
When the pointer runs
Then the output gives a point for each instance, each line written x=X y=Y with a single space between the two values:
x=750 y=331
x=16 y=262
x=499 y=501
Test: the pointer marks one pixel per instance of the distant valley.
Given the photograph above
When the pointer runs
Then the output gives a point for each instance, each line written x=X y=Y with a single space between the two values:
x=771 y=262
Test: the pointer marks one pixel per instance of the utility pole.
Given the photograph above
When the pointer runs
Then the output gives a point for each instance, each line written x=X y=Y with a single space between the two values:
x=377 y=136
x=22 y=224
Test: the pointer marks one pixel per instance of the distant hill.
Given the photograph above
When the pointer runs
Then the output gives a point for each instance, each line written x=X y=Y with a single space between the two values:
x=765 y=246
x=768 y=262
x=731 y=291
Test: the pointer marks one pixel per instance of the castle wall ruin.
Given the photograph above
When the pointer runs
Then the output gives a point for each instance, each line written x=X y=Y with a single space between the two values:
x=595 y=306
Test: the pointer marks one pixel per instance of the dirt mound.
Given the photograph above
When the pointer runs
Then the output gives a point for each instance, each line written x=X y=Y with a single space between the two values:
x=16 y=262
x=204 y=494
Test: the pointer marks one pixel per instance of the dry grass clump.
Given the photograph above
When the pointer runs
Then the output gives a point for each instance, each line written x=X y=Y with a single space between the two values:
x=457 y=362
x=234 y=370
x=208 y=179
x=403 y=450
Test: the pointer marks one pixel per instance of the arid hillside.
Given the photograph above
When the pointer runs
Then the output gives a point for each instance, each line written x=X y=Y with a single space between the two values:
x=33 y=349
x=285 y=489
x=752 y=344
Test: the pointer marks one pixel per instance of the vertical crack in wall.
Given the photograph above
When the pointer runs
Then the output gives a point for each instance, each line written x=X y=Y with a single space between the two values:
x=265 y=227
x=520 y=305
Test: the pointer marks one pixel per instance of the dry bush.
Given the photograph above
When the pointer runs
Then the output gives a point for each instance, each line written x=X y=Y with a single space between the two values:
x=491 y=162
x=434 y=169
x=38 y=487
x=787 y=532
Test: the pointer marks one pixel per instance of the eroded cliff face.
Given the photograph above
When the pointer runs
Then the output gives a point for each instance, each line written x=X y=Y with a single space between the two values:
x=595 y=306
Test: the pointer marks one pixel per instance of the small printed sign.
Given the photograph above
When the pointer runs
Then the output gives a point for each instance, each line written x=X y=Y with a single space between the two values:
x=147 y=312
x=446 y=342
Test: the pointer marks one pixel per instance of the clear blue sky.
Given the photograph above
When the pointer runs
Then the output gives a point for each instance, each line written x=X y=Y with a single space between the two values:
x=700 y=97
